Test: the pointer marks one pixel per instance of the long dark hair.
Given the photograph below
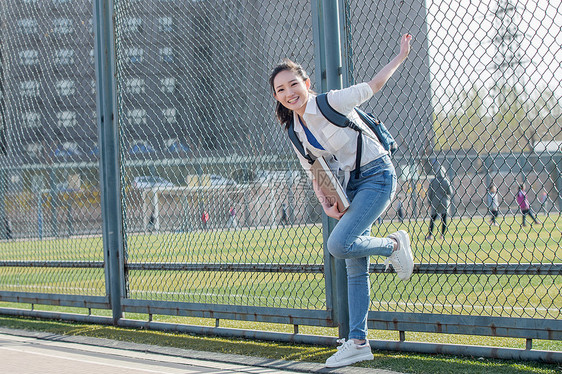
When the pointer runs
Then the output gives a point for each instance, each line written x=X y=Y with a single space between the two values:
x=283 y=114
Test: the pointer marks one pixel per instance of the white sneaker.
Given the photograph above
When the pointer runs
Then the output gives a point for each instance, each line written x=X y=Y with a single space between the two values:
x=349 y=353
x=402 y=260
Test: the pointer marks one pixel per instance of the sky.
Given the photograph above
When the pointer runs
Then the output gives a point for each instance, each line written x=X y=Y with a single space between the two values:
x=461 y=51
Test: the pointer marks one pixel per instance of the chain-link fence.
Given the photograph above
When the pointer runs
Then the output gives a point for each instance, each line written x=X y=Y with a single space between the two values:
x=479 y=100
x=49 y=178
x=218 y=219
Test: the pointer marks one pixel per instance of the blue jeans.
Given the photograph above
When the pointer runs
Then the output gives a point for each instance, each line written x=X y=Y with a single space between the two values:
x=350 y=239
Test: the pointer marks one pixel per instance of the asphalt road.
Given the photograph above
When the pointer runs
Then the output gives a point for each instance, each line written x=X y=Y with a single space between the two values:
x=24 y=355
x=31 y=352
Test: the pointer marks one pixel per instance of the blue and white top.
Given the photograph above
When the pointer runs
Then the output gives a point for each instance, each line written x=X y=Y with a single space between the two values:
x=336 y=141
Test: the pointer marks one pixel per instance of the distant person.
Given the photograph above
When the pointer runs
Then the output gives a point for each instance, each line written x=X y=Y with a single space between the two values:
x=284 y=215
x=400 y=211
x=205 y=219
x=151 y=222
x=8 y=228
x=231 y=218
x=524 y=205
x=439 y=195
x=493 y=205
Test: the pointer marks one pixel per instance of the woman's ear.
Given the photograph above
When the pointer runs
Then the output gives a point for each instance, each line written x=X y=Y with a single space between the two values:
x=307 y=83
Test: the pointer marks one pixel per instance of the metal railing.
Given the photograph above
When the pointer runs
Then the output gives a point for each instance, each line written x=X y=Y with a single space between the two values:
x=143 y=170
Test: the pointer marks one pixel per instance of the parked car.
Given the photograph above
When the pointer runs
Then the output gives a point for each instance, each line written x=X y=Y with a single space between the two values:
x=281 y=176
x=151 y=182
x=217 y=180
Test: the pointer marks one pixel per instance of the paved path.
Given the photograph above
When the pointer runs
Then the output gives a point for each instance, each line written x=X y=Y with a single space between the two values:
x=24 y=352
x=21 y=355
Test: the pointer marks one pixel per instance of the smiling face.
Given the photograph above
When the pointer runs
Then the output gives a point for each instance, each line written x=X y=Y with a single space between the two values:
x=291 y=90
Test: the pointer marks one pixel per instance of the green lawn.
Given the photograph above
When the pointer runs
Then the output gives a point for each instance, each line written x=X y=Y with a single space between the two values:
x=412 y=363
x=468 y=241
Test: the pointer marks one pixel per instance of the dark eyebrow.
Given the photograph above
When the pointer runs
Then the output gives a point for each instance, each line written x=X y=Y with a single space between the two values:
x=291 y=81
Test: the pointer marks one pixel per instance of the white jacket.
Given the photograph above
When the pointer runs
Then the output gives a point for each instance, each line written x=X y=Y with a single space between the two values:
x=337 y=141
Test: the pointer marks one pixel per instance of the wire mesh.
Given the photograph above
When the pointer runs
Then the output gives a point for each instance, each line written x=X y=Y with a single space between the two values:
x=479 y=98
x=208 y=175
x=216 y=207
x=50 y=195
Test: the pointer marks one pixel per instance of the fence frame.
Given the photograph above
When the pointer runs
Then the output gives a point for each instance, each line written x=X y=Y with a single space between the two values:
x=328 y=22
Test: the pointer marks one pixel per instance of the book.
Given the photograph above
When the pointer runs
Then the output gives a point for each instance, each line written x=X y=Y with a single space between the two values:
x=329 y=184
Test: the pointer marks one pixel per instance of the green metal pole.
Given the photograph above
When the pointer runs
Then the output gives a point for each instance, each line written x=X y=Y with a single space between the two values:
x=331 y=78
x=3 y=216
x=108 y=132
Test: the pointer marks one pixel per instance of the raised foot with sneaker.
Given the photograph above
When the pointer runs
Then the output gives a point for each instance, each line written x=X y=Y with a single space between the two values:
x=402 y=260
x=349 y=353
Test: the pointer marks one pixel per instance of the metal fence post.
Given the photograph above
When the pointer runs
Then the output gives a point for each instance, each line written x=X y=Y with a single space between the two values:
x=108 y=131
x=329 y=76
x=4 y=221
x=558 y=177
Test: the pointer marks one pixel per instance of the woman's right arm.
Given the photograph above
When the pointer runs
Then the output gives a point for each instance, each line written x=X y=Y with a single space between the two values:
x=380 y=79
x=345 y=100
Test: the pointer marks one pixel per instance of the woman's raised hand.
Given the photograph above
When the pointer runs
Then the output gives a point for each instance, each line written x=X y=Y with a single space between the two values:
x=405 y=45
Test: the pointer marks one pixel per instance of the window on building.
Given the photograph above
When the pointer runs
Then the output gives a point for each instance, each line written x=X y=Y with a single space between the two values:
x=30 y=88
x=62 y=26
x=166 y=54
x=132 y=25
x=28 y=26
x=31 y=119
x=174 y=145
x=66 y=119
x=136 y=116
x=135 y=86
x=168 y=85
x=70 y=149
x=141 y=147
x=134 y=55
x=34 y=149
x=65 y=87
x=29 y=57
x=170 y=115
x=64 y=57
x=165 y=24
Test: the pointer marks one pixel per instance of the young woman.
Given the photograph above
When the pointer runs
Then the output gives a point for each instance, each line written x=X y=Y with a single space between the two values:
x=369 y=191
x=524 y=205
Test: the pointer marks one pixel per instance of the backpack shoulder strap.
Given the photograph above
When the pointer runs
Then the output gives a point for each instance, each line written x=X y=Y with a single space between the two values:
x=340 y=120
x=297 y=143
x=330 y=113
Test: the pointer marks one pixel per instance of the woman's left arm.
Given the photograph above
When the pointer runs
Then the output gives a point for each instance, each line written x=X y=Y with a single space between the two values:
x=380 y=79
x=330 y=210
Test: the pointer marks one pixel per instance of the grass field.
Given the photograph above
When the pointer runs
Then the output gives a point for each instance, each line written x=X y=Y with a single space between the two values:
x=468 y=241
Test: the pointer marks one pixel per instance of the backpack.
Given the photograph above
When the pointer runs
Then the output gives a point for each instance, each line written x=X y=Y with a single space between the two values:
x=338 y=119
